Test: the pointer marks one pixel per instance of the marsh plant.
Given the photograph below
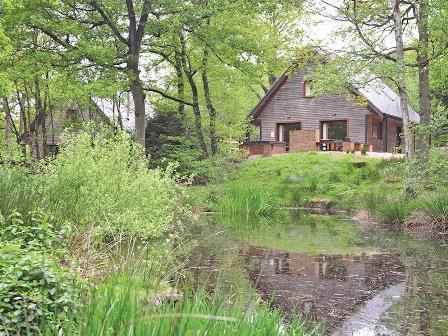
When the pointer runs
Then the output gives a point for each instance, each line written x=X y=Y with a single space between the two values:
x=122 y=308
x=395 y=211
x=436 y=207
x=243 y=199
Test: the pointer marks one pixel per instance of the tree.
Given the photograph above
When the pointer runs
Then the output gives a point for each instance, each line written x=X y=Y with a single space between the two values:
x=372 y=25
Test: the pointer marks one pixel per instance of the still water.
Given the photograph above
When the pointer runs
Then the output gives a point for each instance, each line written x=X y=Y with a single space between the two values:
x=329 y=270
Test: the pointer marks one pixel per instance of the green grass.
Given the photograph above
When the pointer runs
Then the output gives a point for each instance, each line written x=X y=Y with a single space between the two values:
x=246 y=200
x=296 y=178
x=396 y=211
x=436 y=207
x=119 y=308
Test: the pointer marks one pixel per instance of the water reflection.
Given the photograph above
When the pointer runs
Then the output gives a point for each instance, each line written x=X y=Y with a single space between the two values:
x=401 y=291
x=325 y=288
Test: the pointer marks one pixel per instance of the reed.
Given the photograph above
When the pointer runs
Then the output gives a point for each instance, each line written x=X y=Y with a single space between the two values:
x=118 y=308
x=246 y=200
x=436 y=207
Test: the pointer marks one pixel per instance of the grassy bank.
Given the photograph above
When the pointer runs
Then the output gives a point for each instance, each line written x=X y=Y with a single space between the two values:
x=120 y=308
x=350 y=182
x=295 y=179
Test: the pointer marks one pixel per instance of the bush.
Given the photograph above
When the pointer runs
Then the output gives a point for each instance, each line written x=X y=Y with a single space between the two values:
x=435 y=176
x=34 y=288
x=18 y=191
x=396 y=211
x=103 y=180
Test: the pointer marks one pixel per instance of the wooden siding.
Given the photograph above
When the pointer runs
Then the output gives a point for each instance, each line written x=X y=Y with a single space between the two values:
x=289 y=101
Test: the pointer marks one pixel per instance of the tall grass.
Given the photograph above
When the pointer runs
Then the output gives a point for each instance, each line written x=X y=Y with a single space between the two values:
x=436 y=207
x=18 y=190
x=396 y=211
x=246 y=200
x=118 y=308
x=372 y=199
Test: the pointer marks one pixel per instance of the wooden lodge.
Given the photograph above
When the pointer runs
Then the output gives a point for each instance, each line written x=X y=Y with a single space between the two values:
x=291 y=119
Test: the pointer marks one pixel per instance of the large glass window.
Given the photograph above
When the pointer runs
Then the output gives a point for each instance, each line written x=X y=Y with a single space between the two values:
x=334 y=130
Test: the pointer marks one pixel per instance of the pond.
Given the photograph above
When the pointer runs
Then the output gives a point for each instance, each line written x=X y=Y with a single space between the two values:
x=329 y=270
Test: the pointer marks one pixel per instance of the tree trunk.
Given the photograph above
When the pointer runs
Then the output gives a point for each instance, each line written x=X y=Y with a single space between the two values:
x=8 y=121
x=180 y=84
x=138 y=96
x=211 y=109
x=401 y=80
x=423 y=74
x=197 y=116
x=194 y=92
x=41 y=116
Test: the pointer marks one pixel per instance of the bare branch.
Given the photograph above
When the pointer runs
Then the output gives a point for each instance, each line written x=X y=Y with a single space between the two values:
x=109 y=22
x=168 y=96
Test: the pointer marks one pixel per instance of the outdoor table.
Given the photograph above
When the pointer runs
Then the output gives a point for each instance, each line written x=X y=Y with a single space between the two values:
x=330 y=144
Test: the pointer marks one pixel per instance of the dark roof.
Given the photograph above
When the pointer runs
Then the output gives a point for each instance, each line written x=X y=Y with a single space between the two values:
x=381 y=97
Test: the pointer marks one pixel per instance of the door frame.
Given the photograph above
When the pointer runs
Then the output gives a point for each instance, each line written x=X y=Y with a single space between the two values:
x=276 y=135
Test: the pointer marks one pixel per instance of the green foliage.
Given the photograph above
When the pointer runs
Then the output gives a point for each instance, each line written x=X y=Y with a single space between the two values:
x=99 y=179
x=34 y=288
x=437 y=208
x=435 y=174
x=168 y=145
x=395 y=211
x=18 y=191
x=103 y=180
x=243 y=199
x=119 y=308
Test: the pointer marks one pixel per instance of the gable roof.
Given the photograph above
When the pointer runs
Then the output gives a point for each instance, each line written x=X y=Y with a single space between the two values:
x=268 y=96
x=376 y=92
x=385 y=100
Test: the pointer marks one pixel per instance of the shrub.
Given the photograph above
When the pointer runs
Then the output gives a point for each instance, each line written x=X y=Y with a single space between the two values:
x=103 y=180
x=34 y=288
x=396 y=211
x=18 y=190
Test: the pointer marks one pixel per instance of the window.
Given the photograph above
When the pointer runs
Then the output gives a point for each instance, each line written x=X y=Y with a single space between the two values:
x=377 y=130
x=307 y=89
x=334 y=130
